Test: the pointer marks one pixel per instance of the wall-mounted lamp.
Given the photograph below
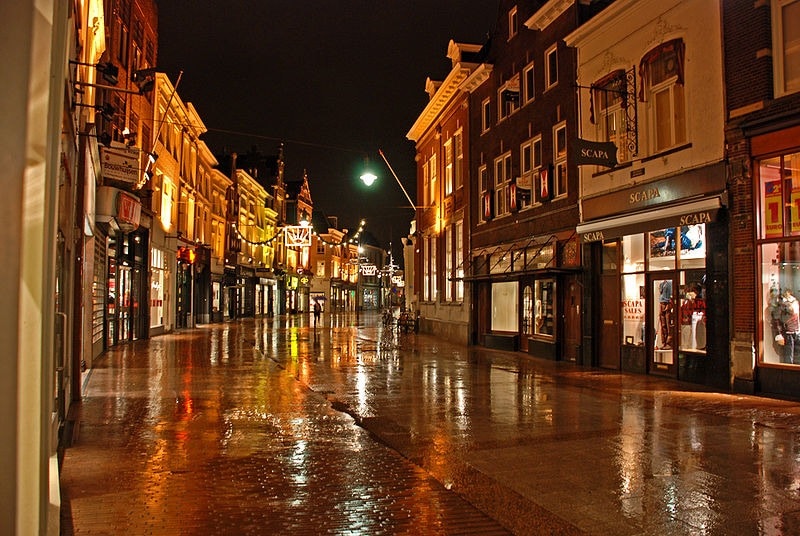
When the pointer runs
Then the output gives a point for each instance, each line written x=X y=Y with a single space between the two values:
x=106 y=110
x=145 y=79
x=107 y=70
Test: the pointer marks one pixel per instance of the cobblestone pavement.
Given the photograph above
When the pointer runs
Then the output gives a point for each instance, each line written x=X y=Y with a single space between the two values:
x=197 y=433
x=248 y=427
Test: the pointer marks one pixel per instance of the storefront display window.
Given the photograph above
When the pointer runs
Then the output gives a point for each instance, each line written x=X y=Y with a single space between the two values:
x=677 y=310
x=780 y=282
x=504 y=306
x=633 y=323
x=779 y=189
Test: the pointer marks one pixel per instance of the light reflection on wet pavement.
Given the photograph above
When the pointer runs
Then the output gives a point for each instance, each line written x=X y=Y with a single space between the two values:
x=245 y=428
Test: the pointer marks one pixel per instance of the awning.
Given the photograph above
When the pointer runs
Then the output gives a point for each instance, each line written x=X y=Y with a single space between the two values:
x=700 y=211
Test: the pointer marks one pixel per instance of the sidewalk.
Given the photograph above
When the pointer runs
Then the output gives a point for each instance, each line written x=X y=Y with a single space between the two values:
x=542 y=447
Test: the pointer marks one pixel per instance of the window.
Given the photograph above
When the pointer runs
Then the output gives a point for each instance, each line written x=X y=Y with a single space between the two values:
x=167 y=190
x=779 y=180
x=508 y=98
x=560 y=159
x=786 y=46
x=448 y=167
x=433 y=173
x=551 y=66
x=513 y=22
x=459 y=251
x=432 y=293
x=502 y=179
x=608 y=103
x=661 y=71
x=486 y=115
x=320 y=269
x=458 y=167
x=486 y=211
x=528 y=86
x=448 y=263
x=530 y=162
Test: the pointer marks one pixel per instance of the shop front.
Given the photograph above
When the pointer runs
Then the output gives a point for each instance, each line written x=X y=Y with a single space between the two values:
x=776 y=160
x=529 y=298
x=659 y=279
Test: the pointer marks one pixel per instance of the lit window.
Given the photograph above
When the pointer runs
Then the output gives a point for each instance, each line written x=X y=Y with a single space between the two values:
x=661 y=71
x=608 y=112
x=560 y=159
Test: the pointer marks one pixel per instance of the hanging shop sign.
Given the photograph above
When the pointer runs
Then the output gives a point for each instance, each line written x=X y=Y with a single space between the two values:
x=121 y=163
x=120 y=209
x=598 y=153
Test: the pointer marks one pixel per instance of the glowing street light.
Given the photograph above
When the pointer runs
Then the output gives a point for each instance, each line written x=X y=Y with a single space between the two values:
x=369 y=178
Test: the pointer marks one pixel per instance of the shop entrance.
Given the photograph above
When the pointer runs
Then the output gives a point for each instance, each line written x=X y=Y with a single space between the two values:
x=662 y=341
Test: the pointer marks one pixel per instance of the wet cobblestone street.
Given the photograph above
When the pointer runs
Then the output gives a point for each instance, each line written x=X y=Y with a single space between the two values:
x=272 y=426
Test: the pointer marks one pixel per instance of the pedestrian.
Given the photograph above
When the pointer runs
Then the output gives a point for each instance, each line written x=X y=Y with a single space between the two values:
x=317 y=312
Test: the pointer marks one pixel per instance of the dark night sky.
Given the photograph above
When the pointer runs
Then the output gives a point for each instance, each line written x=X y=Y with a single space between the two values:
x=335 y=80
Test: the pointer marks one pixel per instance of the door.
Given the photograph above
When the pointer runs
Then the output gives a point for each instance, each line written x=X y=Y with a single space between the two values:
x=124 y=303
x=571 y=341
x=609 y=323
x=661 y=339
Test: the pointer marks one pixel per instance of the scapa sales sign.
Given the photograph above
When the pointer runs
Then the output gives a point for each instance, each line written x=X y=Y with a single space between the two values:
x=599 y=153
x=121 y=164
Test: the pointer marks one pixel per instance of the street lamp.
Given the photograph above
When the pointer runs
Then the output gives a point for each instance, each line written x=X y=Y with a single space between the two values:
x=369 y=178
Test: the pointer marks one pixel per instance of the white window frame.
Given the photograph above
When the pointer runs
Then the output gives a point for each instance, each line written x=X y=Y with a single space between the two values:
x=502 y=181
x=458 y=164
x=434 y=176
x=459 y=253
x=529 y=166
x=448 y=261
x=560 y=178
x=448 y=167
x=551 y=71
x=513 y=22
x=486 y=115
x=528 y=84
x=782 y=50
x=483 y=181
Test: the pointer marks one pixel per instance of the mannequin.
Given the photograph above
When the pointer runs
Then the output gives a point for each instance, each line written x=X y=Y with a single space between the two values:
x=790 y=316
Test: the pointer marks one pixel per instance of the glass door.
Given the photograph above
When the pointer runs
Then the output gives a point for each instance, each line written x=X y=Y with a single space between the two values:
x=662 y=339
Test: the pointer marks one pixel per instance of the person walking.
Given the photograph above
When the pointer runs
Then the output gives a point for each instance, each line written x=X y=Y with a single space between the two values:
x=317 y=312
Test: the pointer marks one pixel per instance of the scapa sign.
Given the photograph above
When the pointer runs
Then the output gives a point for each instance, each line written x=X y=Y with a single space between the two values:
x=595 y=153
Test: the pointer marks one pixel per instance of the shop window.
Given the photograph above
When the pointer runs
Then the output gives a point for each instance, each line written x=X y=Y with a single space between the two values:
x=504 y=306
x=633 y=309
x=683 y=247
x=779 y=179
x=780 y=288
x=544 y=291
x=692 y=312
x=633 y=253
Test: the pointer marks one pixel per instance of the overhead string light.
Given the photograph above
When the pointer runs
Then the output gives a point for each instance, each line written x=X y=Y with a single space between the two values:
x=351 y=240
